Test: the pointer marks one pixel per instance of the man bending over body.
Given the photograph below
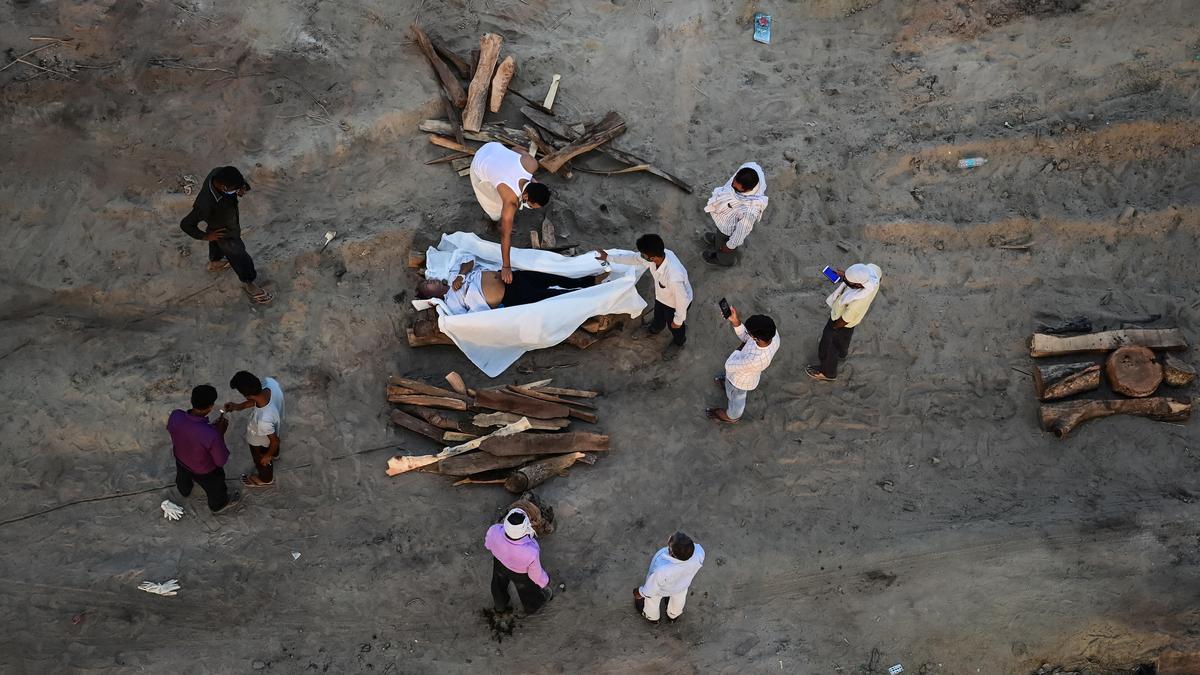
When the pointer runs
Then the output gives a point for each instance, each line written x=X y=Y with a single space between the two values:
x=475 y=290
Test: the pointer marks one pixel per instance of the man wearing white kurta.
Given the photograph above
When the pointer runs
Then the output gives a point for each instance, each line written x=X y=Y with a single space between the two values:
x=848 y=304
x=744 y=367
x=671 y=572
x=672 y=289
x=735 y=207
x=504 y=184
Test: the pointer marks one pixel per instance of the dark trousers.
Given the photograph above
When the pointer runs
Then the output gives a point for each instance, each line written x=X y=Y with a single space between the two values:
x=233 y=250
x=835 y=344
x=532 y=596
x=212 y=483
x=529 y=287
x=663 y=316
x=265 y=473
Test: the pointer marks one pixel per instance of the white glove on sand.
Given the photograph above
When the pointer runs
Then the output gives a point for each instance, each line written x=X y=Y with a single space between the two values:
x=171 y=510
x=165 y=588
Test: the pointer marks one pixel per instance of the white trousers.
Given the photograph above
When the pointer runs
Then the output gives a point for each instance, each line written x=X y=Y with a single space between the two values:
x=675 y=603
x=488 y=196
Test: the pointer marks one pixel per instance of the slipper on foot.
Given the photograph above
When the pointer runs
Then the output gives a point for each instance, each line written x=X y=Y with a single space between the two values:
x=255 y=482
x=816 y=374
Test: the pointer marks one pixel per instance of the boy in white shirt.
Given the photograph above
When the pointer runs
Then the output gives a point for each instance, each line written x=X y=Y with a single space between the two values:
x=745 y=365
x=671 y=572
x=262 y=429
x=672 y=289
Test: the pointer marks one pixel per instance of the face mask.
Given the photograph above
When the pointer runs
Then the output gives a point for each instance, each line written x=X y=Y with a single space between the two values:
x=230 y=193
x=524 y=205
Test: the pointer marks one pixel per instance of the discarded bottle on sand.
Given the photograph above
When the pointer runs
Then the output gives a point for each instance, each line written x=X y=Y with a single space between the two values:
x=971 y=162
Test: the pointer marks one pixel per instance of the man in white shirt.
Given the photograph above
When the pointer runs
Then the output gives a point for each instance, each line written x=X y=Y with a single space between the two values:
x=848 y=304
x=735 y=207
x=263 y=427
x=745 y=365
x=672 y=289
x=671 y=572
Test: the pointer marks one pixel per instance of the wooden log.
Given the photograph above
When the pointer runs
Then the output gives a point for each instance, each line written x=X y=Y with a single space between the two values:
x=1176 y=372
x=488 y=134
x=430 y=401
x=1155 y=338
x=436 y=418
x=1132 y=371
x=546 y=444
x=462 y=166
x=458 y=436
x=457 y=383
x=448 y=82
x=500 y=81
x=437 y=338
x=476 y=462
x=472 y=481
x=588 y=417
x=581 y=339
x=477 y=93
x=416 y=260
x=538 y=394
x=399 y=464
x=403 y=419
x=607 y=129
x=537 y=383
x=537 y=144
x=534 y=474
x=1062 y=418
x=535 y=242
x=424 y=388
x=497 y=419
x=564 y=131
x=448 y=55
x=521 y=405
x=561 y=391
x=451 y=144
x=1055 y=382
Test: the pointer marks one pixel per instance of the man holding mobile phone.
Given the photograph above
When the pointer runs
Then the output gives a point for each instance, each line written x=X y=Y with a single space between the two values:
x=847 y=306
x=744 y=367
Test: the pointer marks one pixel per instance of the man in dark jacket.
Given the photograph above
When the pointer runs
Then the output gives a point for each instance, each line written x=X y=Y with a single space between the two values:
x=217 y=206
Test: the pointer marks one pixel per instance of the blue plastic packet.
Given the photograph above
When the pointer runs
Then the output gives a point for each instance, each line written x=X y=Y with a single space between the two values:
x=762 y=28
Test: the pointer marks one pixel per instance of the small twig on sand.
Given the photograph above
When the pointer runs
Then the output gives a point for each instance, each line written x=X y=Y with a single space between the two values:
x=48 y=70
x=31 y=51
x=170 y=63
x=1025 y=372
x=98 y=66
x=38 y=38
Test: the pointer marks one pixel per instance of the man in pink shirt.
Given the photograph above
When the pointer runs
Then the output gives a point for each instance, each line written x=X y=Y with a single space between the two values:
x=516 y=559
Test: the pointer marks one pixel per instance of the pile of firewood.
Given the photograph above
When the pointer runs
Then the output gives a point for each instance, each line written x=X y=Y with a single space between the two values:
x=1132 y=368
x=516 y=436
x=553 y=141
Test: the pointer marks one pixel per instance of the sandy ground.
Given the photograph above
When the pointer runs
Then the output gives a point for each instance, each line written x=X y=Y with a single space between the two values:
x=999 y=548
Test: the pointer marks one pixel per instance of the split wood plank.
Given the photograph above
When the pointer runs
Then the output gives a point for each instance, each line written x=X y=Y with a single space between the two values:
x=436 y=418
x=403 y=419
x=534 y=240
x=1062 y=418
x=449 y=83
x=548 y=104
x=471 y=463
x=429 y=340
x=458 y=436
x=562 y=391
x=398 y=464
x=489 y=132
x=565 y=132
x=424 y=388
x=450 y=144
x=477 y=92
x=1155 y=338
x=546 y=444
x=457 y=383
x=504 y=75
x=498 y=419
x=537 y=393
x=430 y=402
x=611 y=126
x=521 y=405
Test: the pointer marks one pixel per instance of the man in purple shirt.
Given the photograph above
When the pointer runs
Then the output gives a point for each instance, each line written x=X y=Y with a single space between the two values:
x=200 y=452
x=517 y=560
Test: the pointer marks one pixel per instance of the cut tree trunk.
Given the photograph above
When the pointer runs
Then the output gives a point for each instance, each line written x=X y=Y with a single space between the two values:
x=1176 y=372
x=1062 y=418
x=607 y=129
x=1055 y=382
x=436 y=419
x=536 y=473
x=477 y=93
x=1154 y=338
x=521 y=405
x=504 y=75
x=446 y=79
x=498 y=419
x=401 y=418
x=443 y=402
x=1132 y=371
x=473 y=463
x=546 y=444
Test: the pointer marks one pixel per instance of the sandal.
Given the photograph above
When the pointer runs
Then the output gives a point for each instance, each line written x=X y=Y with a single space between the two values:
x=711 y=413
x=262 y=297
x=255 y=482
x=218 y=265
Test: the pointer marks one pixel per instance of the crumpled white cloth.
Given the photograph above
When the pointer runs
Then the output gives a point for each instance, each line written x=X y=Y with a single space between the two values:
x=494 y=339
x=515 y=532
x=165 y=588
x=171 y=510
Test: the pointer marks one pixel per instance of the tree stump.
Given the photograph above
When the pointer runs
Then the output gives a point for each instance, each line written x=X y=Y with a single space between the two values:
x=535 y=473
x=1132 y=371
x=1055 y=382
x=1176 y=372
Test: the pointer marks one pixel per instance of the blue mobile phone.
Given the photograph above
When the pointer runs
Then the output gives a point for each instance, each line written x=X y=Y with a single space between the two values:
x=830 y=274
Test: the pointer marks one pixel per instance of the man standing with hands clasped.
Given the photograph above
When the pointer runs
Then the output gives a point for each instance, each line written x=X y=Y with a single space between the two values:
x=745 y=365
x=671 y=572
x=672 y=289
x=217 y=206
x=848 y=304
x=262 y=429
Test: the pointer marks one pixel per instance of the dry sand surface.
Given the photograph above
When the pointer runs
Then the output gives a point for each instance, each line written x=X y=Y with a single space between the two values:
x=996 y=548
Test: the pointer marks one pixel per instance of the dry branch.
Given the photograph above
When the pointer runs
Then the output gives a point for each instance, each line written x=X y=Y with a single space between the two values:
x=1062 y=418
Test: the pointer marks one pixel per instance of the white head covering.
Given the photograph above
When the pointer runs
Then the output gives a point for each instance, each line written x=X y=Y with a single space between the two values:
x=516 y=532
x=866 y=274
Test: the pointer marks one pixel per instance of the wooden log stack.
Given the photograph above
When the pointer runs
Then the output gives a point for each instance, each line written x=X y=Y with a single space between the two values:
x=517 y=436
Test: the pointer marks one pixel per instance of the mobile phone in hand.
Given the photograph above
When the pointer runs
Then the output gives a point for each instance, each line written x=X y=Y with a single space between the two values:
x=831 y=274
x=724 y=305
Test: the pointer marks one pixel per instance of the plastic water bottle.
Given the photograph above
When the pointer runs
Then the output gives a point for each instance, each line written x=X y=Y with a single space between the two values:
x=971 y=162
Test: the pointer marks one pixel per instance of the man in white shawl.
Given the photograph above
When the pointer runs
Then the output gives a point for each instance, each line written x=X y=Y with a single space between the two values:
x=848 y=304
x=735 y=207
x=671 y=572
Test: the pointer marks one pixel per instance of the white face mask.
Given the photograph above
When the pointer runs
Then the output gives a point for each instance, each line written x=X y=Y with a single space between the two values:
x=524 y=205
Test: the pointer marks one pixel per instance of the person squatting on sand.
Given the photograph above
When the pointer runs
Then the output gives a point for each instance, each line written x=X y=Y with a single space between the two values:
x=848 y=304
x=504 y=184
x=516 y=559
x=264 y=425
x=216 y=205
x=672 y=289
x=671 y=572
x=745 y=365
x=476 y=290
x=735 y=207
x=200 y=450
